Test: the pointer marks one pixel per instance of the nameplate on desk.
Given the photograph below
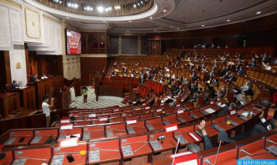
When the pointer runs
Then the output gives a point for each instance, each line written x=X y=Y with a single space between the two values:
x=64 y=127
x=180 y=111
x=178 y=105
x=20 y=161
x=127 y=150
x=156 y=145
x=272 y=149
x=143 y=104
x=10 y=141
x=147 y=107
x=57 y=160
x=70 y=142
x=219 y=128
x=171 y=128
x=103 y=119
x=150 y=127
x=36 y=139
x=131 y=122
x=94 y=155
x=86 y=136
x=181 y=139
x=109 y=133
x=131 y=130
x=166 y=122
x=92 y=115
x=116 y=110
x=233 y=123
x=65 y=121
x=181 y=119
x=258 y=109
x=194 y=137
x=159 y=110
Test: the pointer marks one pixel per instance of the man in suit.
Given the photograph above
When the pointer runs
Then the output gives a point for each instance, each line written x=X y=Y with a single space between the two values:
x=34 y=78
x=14 y=84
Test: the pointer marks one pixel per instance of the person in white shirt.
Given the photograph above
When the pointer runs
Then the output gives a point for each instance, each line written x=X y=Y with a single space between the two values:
x=267 y=66
x=46 y=108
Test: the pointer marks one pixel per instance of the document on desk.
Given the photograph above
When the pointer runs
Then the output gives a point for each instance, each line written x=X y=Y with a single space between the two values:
x=94 y=155
x=210 y=110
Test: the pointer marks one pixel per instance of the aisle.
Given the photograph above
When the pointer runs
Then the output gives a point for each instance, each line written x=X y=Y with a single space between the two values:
x=104 y=101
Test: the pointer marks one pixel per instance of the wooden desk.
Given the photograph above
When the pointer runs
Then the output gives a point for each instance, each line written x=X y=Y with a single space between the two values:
x=93 y=132
x=9 y=102
x=67 y=133
x=154 y=124
x=63 y=99
x=27 y=97
x=136 y=147
x=18 y=138
x=104 y=152
x=136 y=128
x=116 y=130
x=41 y=135
x=171 y=119
x=74 y=151
x=42 y=153
x=183 y=134
x=8 y=159
x=183 y=116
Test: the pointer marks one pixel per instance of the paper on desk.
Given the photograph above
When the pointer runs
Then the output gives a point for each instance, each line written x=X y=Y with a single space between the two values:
x=92 y=115
x=245 y=114
x=70 y=126
x=209 y=110
x=221 y=105
x=190 y=162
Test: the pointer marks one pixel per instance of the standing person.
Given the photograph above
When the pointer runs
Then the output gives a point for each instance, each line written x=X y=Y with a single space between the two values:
x=46 y=108
x=85 y=94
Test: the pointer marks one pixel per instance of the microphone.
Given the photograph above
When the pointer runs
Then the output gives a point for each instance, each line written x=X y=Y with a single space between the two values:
x=271 y=141
x=209 y=160
x=178 y=141
x=247 y=153
x=82 y=152
x=20 y=153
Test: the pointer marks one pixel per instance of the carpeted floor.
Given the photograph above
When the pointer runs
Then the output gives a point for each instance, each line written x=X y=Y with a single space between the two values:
x=103 y=102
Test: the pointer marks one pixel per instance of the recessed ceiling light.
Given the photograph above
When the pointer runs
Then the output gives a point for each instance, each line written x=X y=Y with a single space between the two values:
x=100 y=9
x=164 y=10
x=155 y=30
x=177 y=28
x=258 y=12
x=203 y=25
x=228 y=20
x=130 y=21
x=104 y=21
x=127 y=31
x=171 y=26
x=151 y=17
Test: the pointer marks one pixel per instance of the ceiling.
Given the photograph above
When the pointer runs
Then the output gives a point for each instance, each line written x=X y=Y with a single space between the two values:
x=180 y=15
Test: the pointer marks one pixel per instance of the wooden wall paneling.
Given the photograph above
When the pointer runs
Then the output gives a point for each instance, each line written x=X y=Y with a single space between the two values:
x=89 y=65
x=9 y=102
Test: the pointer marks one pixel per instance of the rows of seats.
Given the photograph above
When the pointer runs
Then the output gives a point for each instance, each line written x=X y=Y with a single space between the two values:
x=155 y=86
x=266 y=77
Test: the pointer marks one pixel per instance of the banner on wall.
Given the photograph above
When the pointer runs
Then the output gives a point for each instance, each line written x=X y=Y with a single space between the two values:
x=73 y=42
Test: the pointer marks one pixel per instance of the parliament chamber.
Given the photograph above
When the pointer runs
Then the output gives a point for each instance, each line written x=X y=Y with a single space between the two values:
x=138 y=82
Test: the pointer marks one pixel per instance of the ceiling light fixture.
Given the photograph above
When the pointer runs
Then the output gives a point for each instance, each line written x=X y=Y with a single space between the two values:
x=127 y=31
x=130 y=21
x=258 y=12
x=164 y=10
x=155 y=30
x=135 y=6
x=203 y=25
x=100 y=9
x=228 y=20
x=177 y=28
x=151 y=17
x=117 y=7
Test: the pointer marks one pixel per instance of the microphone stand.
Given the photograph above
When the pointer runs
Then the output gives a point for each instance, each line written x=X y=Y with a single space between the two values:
x=209 y=160
x=178 y=141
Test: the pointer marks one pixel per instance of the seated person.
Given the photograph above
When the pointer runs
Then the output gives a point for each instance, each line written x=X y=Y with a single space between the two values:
x=34 y=78
x=264 y=126
x=241 y=71
x=206 y=139
x=232 y=77
x=267 y=66
x=253 y=63
x=222 y=92
x=14 y=85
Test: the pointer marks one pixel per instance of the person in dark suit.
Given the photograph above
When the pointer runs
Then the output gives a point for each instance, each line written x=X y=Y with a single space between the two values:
x=34 y=78
x=232 y=78
x=14 y=84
